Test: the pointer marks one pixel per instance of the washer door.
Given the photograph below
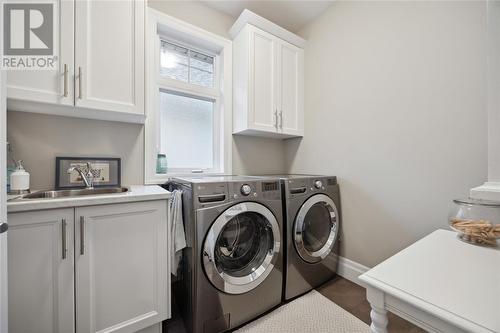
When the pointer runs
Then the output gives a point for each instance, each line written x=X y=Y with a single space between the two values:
x=316 y=228
x=241 y=247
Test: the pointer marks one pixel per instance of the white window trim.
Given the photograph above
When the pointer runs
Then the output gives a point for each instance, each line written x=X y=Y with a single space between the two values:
x=155 y=20
x=490 y=190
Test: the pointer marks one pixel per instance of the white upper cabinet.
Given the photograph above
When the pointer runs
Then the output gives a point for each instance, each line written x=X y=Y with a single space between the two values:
x=109 y=55
x=101 y=65
x=291 y=83
x=268 y=79
x=49 y=86
x=262 y=79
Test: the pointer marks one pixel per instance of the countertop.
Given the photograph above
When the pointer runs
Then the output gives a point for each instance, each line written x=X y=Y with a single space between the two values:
x=135 y=193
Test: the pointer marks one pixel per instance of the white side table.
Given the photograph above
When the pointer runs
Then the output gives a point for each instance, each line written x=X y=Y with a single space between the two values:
x=440 y=284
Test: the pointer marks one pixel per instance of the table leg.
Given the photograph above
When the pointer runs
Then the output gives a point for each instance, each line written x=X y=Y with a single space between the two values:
x=379 y=320
x=378 y=313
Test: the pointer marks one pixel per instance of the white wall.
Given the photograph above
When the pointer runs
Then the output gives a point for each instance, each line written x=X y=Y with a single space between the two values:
x=395 y=107
x=38 y=139
x=493 y=91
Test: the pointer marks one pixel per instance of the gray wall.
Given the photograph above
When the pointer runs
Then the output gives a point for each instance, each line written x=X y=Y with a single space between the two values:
x=197 y=14
x=38 y=139
x=395 y=107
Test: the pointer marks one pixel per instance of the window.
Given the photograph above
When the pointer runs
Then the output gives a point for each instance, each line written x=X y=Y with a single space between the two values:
x=180 y=63
x=187 y=135
x=189 y=120
x=188 y=123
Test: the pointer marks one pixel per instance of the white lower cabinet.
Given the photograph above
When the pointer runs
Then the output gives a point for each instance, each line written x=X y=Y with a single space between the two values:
x=40 y=272
x=114 y=276
x=121 y=267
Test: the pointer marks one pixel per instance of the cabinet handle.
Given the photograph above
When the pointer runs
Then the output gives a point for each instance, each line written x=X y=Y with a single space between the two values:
x=65 y=80
x=63 y=227
x=82 y=235
x=281 y=119
x=80 y=83
x=276 y=118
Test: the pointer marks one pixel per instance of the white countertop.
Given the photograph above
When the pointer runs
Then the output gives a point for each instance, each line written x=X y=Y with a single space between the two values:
x=135 y=193
x=453 y=280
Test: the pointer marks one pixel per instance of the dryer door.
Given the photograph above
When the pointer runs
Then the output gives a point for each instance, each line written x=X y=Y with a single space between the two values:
x=241 y=247
x=316 y=228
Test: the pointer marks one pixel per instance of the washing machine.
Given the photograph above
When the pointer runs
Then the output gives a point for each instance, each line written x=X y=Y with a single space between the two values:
x=232 y=267
x=311 y=206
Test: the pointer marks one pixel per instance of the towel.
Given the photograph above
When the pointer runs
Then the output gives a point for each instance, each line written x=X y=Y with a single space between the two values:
x=176 y=224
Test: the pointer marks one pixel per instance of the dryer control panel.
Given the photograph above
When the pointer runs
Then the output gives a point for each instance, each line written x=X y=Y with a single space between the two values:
x=297 y=187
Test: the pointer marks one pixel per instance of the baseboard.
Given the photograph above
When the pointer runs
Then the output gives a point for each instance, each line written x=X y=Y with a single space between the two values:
x=351 y=270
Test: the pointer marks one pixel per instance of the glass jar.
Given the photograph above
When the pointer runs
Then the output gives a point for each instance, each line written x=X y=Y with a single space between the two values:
x=161 y=164
x=476 y=221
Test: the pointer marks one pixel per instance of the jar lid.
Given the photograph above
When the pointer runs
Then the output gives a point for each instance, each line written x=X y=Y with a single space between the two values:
x=477 y=202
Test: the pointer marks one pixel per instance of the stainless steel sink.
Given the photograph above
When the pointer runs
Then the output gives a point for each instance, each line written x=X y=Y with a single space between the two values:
x=73 y=193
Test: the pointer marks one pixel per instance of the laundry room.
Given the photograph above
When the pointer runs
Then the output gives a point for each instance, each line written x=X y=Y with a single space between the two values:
x=250 y=166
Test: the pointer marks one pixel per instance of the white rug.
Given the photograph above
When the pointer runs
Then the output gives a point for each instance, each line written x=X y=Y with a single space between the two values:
x=312 y=312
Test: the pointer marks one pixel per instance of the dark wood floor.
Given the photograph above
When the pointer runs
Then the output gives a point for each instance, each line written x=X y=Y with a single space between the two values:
x=352 y=298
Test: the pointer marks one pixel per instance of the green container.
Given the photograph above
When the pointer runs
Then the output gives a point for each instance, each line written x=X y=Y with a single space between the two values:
x=161 y=164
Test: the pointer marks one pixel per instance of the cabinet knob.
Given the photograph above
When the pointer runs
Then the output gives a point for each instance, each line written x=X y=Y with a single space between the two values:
x=3 y=227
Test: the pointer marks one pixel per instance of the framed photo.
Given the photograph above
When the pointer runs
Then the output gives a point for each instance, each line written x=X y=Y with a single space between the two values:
x=106 y=171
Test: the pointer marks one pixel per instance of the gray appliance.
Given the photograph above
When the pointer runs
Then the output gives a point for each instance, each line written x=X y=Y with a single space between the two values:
x=311 y=206
x=232 y=267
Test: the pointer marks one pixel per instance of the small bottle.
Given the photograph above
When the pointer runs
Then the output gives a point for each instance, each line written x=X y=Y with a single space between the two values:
x=20 y=179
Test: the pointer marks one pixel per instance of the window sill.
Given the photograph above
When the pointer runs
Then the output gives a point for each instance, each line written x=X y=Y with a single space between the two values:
x=487 y=191
x=162 y=179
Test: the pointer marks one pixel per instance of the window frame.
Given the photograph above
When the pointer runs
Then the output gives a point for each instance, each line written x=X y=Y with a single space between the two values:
x=164 y=27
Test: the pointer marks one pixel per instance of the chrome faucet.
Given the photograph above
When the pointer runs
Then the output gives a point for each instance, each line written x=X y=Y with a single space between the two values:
x=87 y=175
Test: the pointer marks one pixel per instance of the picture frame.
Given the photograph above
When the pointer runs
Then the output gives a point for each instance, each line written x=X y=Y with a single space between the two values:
x=106 y=170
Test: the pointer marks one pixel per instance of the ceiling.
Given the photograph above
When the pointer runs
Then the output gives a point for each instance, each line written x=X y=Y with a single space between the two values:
x=291 y=15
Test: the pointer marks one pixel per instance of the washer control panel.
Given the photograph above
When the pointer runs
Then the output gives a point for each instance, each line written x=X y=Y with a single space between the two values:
x=258 y=189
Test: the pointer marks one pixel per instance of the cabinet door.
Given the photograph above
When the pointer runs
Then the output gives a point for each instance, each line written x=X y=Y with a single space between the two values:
x=262 y=85
x=291 y=89
x=122 y=280
x=109 y=55
x=49 y=86
x=40 y=271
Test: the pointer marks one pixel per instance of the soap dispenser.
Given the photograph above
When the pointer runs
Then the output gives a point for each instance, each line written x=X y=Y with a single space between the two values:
x=19 y=180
